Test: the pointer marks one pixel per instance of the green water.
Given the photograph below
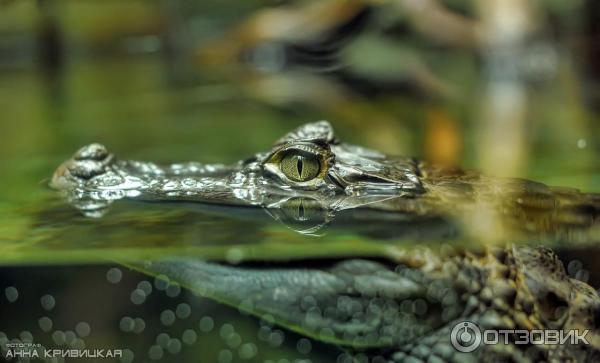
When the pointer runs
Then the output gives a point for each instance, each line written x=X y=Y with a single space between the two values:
x=133 y=107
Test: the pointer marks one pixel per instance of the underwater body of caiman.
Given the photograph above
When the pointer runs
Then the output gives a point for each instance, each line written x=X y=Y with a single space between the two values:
x=399 y=310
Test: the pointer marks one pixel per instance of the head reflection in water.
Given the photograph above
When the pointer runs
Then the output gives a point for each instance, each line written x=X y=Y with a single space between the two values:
x=303 y=181
x=302 y=214
x=309 y=177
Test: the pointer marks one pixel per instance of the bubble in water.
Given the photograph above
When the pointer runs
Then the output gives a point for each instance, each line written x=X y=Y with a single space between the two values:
x=206 y=324
x=234 y=255
x=233 y=340
x=126 y=324
x=138 y=325
x=276 y=338
x=189 y=337
x=114 y=275
x=145 y=286
x=174 y=346
x=26 y=336
x=45 y=324
x=361 y=358
x=155 y=352
x=70 y=337
x=173 y=290
x=127 y=356
x=163 y=339
x=58 y=337
x=345 y=358
x=264 y=332
x=225 y=356
x=304 y=346
x=183 y=311
x=11 y=293
x=83 y=329
x=161 y=282
x=247 y=351
x=48 y=302
x=226 y=330
x=138 y=296
x=167 y=317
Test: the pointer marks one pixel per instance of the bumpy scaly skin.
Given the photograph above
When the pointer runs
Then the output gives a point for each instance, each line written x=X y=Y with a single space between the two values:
x=405 y=311
x=515 y=288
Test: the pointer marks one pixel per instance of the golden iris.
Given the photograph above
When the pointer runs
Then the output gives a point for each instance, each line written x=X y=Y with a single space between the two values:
x=300 y=167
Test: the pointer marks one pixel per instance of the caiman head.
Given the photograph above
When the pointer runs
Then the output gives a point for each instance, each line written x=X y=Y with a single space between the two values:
x=304 y=179
x=309 y=176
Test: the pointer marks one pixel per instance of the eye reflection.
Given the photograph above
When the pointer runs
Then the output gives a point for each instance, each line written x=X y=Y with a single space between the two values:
x=300 y=209
x=302 y=214
x=300 y=167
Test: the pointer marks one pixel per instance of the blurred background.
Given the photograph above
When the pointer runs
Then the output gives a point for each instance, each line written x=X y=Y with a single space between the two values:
x=509 y=87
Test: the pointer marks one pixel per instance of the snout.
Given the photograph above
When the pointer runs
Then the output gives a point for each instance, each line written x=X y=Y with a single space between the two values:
x=89 y=161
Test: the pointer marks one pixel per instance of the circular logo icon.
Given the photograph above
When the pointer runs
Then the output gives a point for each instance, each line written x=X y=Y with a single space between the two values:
x=465 y=336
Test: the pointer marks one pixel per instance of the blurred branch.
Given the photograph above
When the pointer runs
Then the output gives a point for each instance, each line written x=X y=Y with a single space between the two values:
x=507 y=25
x=299 y=23
x=437 y=22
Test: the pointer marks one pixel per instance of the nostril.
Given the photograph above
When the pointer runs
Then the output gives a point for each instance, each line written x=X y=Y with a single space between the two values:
x=92 y=152
x=86 y=169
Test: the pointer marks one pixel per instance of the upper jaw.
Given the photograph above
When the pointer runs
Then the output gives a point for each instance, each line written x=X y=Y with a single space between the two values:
x=349 y=170
x=88 y=162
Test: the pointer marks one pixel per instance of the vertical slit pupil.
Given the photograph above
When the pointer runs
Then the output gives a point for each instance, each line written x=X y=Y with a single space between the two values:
x=299 y=165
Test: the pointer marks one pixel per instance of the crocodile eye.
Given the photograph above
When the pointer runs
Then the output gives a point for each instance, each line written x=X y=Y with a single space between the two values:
x=300 y=167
